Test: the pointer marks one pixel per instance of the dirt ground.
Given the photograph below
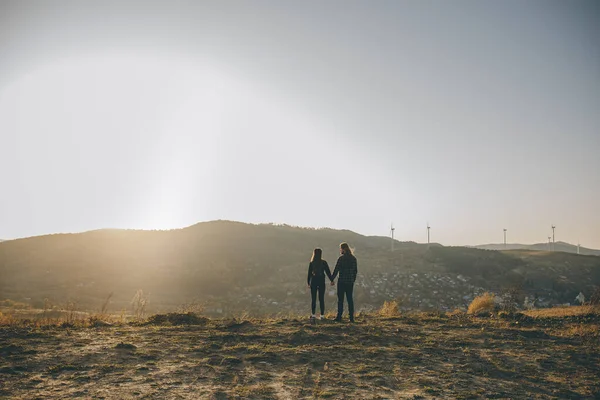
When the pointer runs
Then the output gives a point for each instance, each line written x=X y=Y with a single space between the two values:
x=415 y=357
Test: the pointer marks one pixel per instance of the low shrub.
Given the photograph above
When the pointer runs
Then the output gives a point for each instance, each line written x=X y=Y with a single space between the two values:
x=389 y=309
x=176 y=319
x=482 y=304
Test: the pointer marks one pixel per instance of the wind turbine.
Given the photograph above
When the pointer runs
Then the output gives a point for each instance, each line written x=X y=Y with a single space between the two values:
x=504 y=238
x=428 y=228
x=553 y=227
x=392 y=229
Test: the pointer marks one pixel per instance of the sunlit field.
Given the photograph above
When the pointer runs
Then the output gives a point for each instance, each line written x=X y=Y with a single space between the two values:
x=181 y=181
x=414 y=356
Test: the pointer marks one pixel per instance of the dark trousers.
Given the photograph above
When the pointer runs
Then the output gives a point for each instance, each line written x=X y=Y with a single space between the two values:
x=345 y=288
x=317 y=285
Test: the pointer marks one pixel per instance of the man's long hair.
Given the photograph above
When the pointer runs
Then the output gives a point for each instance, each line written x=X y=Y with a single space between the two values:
x=346 y=249
x=317 y=254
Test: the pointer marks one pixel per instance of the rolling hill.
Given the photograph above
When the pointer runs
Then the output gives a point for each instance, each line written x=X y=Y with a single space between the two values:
x=558 y=246
x=232 y=267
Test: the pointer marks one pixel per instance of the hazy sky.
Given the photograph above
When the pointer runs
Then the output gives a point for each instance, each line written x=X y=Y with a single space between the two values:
x=473 y=116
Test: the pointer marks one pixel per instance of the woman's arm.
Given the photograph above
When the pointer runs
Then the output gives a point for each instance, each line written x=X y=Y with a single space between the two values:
x=309 y=273
x=328 y=271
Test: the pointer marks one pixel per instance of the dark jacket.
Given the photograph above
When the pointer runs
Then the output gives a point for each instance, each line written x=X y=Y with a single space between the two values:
x=347 y=267
x=317 y=271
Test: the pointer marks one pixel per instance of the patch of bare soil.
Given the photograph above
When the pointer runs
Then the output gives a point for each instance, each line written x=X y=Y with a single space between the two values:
x=406 y=357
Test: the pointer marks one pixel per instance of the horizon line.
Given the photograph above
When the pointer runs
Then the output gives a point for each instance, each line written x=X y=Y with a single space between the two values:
x=279 y=224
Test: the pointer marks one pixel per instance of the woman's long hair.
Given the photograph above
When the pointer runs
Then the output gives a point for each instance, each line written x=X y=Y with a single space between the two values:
x=317 y=254
x=344 y=246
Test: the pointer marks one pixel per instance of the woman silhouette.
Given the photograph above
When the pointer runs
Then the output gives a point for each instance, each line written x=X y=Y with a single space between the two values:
x=316 y=281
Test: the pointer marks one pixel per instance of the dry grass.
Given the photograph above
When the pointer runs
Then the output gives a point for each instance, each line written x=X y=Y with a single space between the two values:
x=563 y=311
x=411 y=356
x=389 y=309
x=67 y=319
x=58 y=318
x=16 y=305
x=6 y=319
x=483 y=303
x=455 y=313
x=587 y=331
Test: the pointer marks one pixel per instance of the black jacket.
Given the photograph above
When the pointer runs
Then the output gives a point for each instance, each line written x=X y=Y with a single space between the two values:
x=317 y=271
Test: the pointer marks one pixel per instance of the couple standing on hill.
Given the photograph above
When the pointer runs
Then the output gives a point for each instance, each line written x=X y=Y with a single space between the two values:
x=346 y=266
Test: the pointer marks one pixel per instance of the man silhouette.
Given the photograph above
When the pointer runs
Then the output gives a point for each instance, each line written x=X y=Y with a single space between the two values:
x=347 y=267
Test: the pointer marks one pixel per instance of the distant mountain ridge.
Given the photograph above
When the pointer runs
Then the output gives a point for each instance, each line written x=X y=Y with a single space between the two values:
x=558 y=246
x=231 y=267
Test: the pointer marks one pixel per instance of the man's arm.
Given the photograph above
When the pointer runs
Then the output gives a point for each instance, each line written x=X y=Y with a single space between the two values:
x=337 y=268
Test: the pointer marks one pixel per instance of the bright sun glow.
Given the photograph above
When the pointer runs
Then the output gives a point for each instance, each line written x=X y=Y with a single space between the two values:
x=156 y=122
x=167 y=142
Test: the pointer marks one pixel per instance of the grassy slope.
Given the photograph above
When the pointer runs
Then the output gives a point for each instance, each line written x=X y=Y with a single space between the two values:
x=414 y=356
